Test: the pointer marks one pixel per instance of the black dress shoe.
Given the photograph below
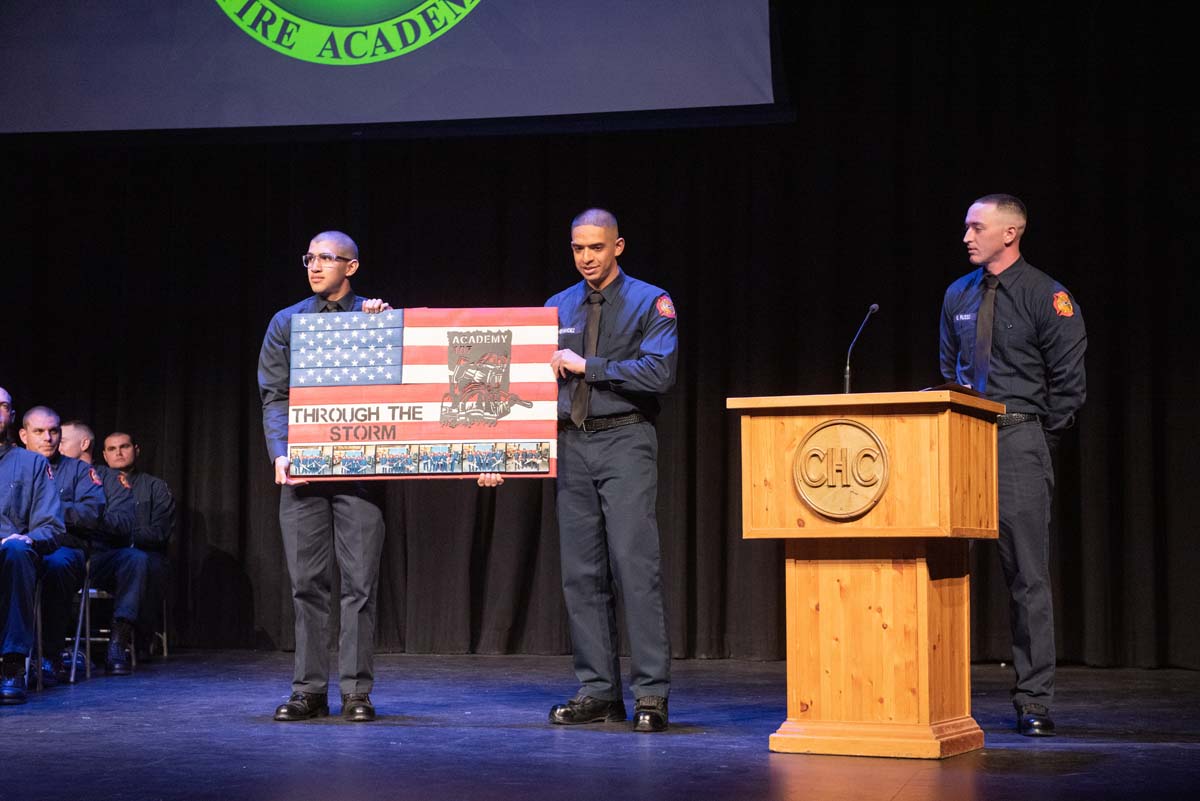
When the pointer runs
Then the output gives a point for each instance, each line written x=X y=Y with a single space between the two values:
x=80 y=665
x=49 y=673
x=303 y=706
x=650 y=713
x=12 y=689
x=117 y=663
x=586 y=709
x=62 y=670
x=1033 y=720
x=357 y=707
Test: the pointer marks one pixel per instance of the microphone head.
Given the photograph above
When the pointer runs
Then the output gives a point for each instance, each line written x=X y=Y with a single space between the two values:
x=874 y=308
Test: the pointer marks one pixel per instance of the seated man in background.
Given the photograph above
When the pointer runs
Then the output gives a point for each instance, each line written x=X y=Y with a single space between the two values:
x=30 y=523
x=82 y=498
x=135 y=571
x=120 y=512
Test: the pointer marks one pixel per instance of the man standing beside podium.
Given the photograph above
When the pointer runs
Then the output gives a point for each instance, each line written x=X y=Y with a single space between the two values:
x=618 y=351
x=1013 y=333
x=617 y=355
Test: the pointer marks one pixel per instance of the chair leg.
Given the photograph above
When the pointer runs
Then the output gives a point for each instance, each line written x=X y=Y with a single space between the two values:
x=37 y=631
x=163 y=636
x=87 y=626
x=83 y=599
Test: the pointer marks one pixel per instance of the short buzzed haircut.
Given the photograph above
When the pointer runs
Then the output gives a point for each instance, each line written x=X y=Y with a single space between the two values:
x=132 y=441
x=1009 y=203
x=343 y=241
x=39 y=410
x=83 y=427
x=601 y=218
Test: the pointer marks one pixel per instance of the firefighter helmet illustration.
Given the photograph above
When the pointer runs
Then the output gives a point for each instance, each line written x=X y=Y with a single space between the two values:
x=478 y=363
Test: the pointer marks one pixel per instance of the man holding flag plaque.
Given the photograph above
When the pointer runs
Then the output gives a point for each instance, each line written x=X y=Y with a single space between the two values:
x=317 y=520
x=353 y=391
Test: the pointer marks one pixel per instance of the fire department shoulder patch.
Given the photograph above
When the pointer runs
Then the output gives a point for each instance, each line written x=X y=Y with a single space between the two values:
x=665 y=307
x=124 y=481
x=95 y=478
x=1062 y=305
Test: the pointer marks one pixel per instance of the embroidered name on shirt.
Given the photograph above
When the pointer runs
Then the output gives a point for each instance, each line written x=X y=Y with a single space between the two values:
x=960 y=317
x=570 y=330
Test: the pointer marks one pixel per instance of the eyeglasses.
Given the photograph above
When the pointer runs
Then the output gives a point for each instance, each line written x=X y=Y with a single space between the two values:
x=322 y=260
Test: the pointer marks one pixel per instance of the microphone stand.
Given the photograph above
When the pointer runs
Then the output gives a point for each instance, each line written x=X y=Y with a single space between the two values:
x=846 y=375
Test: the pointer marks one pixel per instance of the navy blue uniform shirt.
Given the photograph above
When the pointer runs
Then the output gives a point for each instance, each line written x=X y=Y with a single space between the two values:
x=1038 y=341
x=120 y=510
x=28 y=499
x=81 y=493
x=155 y=509
x=275 y=364
x=636 y=353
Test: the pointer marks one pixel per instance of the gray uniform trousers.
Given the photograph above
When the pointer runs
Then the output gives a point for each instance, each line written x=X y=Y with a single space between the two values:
x=1026 y=485
x=607 y=487
x=319 y=520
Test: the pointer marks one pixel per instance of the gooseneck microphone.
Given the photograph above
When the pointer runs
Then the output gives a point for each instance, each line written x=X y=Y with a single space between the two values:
x=846 y=375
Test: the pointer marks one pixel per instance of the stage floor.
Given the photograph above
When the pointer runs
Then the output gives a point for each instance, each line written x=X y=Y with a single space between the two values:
x=198 y=726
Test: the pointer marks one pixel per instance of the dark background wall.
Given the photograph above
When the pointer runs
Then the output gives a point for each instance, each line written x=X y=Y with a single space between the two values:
x=142 y=270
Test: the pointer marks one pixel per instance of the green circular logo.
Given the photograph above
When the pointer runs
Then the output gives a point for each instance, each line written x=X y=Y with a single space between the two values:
x=346 y=32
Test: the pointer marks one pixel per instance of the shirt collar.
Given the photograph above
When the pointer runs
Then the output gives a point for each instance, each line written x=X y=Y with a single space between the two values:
x=344 y=303
x=609 y=292
x=1010 y=275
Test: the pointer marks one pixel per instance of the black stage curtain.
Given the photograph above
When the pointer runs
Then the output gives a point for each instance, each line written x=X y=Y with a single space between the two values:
x=141 y=273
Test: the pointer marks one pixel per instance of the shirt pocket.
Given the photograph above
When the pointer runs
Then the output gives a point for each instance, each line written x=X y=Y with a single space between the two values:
x=571 y=342
x=964 y=329
x=1017 y=335
x=14 y=492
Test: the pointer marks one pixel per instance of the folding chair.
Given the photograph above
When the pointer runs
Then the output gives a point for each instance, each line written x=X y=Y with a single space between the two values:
x=86 y=635
x=37 y=636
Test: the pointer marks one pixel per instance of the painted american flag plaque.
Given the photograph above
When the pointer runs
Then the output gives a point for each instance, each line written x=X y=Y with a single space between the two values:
x=423 y=393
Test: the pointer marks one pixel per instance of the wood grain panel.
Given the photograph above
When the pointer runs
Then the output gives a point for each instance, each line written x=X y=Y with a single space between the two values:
x=878 y=606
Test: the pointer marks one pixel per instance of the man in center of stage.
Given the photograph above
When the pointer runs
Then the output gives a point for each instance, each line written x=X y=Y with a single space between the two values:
x=320 y=520
x=617 y=354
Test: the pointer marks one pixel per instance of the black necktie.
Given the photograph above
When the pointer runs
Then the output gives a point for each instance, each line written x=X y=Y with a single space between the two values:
x=331 y=306
x=983 y=331
x=591 y=336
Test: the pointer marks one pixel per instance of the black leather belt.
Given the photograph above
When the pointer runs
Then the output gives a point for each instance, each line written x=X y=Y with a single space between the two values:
x=1005 y=420
x=603 y=423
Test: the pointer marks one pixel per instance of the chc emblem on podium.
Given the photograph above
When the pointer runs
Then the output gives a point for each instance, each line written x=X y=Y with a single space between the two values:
x=841 y=469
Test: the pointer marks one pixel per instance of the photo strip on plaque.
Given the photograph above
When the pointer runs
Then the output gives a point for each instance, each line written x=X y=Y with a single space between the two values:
x=353 y=460
x=443 y=458
x=528 y=457
x=311 y=460
x=483 y=457
x=396 y=460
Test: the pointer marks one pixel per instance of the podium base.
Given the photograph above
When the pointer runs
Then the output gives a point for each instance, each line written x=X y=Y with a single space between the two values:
x=912 y=741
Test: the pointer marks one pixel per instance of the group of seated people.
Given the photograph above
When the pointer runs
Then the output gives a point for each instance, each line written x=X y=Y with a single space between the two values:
x=62 y=516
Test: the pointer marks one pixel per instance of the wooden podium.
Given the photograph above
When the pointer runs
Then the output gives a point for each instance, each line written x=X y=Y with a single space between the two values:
x=878 y=496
